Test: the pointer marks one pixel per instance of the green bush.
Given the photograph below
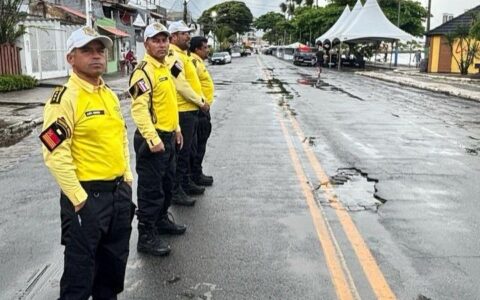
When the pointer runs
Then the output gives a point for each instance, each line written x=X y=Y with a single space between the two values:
x=16 y=82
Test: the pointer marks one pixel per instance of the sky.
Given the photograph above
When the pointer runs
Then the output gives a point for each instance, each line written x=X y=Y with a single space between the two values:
x=260 y=7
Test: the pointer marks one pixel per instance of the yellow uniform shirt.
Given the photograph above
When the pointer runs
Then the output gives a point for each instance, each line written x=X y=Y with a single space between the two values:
x=84 y=137
x=187 y=84
x=206 y=81
x=154 y=99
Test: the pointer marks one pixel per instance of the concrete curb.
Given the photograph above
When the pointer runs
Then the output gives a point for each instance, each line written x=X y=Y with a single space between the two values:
x=16 y=131
x=442 y=77
x=423 y=86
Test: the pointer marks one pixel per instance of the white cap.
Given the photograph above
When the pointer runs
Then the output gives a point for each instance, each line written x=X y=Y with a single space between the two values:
x=85 y=35
x=154 y=29
x=179 y=26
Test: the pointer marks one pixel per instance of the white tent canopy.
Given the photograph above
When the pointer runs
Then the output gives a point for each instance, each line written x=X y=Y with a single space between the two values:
x=139 y=22
x=327 y=35
x=372 y=24
x=295 y=45
x=363 y=24
x=351 y=18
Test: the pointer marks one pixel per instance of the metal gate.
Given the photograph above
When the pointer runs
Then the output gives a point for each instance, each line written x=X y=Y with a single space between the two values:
x=44 y=51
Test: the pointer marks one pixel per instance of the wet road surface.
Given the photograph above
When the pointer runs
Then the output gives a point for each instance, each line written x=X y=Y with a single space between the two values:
x=344 y=187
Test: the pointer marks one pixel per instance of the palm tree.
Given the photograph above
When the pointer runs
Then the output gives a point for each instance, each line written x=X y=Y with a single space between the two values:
x=283 y=7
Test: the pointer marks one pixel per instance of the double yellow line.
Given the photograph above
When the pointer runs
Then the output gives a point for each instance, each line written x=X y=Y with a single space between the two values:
x=339 y=272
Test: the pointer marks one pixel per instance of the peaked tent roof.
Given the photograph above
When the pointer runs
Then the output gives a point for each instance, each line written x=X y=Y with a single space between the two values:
x=351 y=18
x=139 y=22
x=340 y=21
x=464 y=19
x=371 y=24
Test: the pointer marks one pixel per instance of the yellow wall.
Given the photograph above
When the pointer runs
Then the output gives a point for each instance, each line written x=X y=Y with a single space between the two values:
x=455 y=68
x=435 y=53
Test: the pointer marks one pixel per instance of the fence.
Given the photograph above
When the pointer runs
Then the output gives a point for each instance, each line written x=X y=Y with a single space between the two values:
x=9 y=60
x=44 y=49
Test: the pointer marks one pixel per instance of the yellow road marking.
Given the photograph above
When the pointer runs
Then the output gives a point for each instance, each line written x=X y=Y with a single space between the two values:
x=326 y=238
x=367 y=261
x=335 y=268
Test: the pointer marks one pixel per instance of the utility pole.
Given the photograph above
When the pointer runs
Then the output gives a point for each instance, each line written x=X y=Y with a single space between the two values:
x=429 y=14
x=185 y=11
x=426 y=49
x=88 y=10
x=396 y=44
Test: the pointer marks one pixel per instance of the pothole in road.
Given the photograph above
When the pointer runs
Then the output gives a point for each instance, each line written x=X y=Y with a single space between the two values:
x=356 y=190
x=472 y=151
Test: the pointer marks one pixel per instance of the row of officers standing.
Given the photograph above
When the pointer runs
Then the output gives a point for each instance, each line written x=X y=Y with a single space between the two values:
x=85 y=146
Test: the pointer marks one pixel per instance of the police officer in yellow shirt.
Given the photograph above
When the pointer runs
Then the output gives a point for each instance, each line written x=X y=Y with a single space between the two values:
x=190 y=100
x=199 y=52
x=85 y=147
x=155 y=112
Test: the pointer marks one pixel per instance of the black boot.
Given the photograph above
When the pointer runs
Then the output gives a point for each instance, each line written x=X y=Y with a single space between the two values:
x=179 y=197
x=149 y=242
x=166 y=225
x=192 y=189
x=203 y=180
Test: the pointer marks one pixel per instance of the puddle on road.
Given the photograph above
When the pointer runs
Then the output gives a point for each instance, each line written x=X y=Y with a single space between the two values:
x=355 y=190
x=274 y=82
x=322 y=85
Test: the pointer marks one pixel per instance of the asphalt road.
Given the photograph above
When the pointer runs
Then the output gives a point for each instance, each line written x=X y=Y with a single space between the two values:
x=344 y=187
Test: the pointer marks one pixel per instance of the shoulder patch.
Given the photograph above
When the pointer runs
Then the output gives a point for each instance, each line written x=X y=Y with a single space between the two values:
x=55 y=134
x=57 y=94
x=138 y=88
x=176 y=69
x=170 y=52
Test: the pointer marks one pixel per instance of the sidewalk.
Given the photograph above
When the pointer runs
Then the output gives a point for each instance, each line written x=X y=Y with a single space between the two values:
x=454 y=85
x=21 y=111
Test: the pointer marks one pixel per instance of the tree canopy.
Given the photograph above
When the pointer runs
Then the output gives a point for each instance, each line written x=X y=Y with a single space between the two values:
x=10 y=16
x=231 y=16
x=307 y=22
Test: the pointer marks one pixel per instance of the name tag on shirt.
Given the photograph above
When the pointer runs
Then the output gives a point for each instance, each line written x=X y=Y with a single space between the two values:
x=94 y=113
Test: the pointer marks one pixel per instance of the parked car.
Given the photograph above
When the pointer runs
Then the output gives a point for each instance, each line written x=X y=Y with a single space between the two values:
x=304 y=58
x=220 y=58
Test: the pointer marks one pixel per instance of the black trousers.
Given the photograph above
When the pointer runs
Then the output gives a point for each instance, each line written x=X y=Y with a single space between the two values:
x=204 y=129
x=188 y=123
x=156 y=175
x=96 y=241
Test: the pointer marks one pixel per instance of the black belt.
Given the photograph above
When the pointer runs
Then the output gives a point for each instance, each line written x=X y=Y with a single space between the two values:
x=165 y=133
x=102 y=185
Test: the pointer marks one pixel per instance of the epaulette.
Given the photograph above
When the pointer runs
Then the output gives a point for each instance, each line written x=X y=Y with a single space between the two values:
x=170 y=52
x=195 y=61
x=142 y=64
x=57 y=94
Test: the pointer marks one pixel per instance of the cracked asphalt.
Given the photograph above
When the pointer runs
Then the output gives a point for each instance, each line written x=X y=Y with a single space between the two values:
x=290 y=154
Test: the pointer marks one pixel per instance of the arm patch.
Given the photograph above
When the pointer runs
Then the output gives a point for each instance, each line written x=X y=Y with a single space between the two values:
x=176 y=69
x=57 y=94
x=55 y=134
x=138 y=88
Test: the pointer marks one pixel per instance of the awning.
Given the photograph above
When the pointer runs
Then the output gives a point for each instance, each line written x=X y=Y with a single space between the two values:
x=156 y=15
x=114 y=31
x=126 y=6
x=72 y=11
